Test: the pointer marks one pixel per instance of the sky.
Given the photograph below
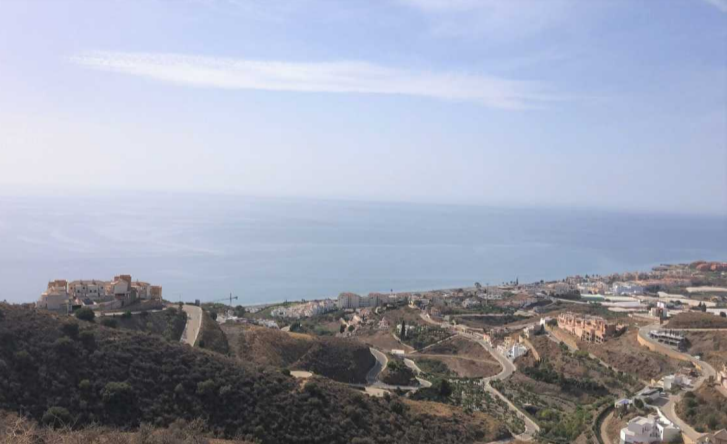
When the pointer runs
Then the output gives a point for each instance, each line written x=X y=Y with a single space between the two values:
x=616 y=104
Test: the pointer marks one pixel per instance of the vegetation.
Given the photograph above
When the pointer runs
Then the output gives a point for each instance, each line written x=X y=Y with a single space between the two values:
x=544 y=372
x=697 y=320
x=168 y=323
x=120 y=378
x=397 y=373
x=704 y=409
x=211 y=336
x=340 y=359
x=420 y=336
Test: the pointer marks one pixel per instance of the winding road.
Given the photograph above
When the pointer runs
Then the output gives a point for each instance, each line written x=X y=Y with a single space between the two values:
x=668 y=408
x=508 y=368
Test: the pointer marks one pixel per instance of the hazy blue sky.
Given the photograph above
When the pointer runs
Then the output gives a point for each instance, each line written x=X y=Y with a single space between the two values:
x=616 y=104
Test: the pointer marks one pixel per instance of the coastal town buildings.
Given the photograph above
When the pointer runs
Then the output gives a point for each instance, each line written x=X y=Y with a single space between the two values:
x=55 y=297
x=60 y=294
x=588 y=328
x=647 y=430
x=626 y=289
x=353 y=300
x=304 y=310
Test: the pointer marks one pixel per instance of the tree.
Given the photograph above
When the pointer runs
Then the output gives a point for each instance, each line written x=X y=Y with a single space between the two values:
x=342 y=329
x=126 y=315
x=85 y=314
x=402 y=333
x=444 y=388
x=722 y=314
x=351 y=328
x=213 y=315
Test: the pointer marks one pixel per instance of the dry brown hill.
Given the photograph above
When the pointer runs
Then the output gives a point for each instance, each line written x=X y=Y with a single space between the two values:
x=342 y=360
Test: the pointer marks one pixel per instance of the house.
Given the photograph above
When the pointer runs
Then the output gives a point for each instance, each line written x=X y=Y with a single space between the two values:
x=674 y=381
x=648 y=394
x=650 y=429
x=588 y=328
x=55 y=297
x=470 y=303
x=622 y=403
x=511 y=350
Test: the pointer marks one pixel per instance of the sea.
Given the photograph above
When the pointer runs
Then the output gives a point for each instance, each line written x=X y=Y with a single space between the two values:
x=264 y=250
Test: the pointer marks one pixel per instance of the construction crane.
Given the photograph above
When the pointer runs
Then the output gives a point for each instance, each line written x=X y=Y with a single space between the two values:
x=230 y=298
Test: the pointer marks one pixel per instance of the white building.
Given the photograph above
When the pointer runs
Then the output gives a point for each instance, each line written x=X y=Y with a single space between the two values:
x=674 y=381
x=471 y=302
x=651 y=429
x=512 y=350
x=352 y=300
x=626 y=289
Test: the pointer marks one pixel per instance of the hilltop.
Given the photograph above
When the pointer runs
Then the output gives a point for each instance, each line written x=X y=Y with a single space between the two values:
x=85 y=373
x=342 y=360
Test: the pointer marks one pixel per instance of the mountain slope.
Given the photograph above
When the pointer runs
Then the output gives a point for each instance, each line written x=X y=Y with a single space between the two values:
x=109 y=376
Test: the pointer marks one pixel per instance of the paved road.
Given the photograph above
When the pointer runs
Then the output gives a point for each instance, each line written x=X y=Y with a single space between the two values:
x=194 y=324
x=508 y=368
x=379 y=366
x=668 y=408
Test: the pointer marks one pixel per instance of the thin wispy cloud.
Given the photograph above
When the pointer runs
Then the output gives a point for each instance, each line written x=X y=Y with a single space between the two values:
x=719 y=4
x=322 y=77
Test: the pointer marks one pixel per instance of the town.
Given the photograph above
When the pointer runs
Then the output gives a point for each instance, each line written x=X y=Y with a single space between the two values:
x=624 y=358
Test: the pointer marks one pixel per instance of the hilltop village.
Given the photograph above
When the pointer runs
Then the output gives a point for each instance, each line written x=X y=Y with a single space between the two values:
x=627 y=358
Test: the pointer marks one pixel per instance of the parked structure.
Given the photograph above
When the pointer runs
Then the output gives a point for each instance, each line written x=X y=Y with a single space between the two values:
x=588 y=328
x=650 y=429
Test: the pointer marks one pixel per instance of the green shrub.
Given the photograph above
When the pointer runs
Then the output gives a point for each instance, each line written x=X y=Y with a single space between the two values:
x=57 y=417
x=85 y=314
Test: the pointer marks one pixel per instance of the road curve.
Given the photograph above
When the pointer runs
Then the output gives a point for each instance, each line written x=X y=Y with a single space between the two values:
x=668 y=409
x=508 y=368
x=194 y=324
x=379 y=366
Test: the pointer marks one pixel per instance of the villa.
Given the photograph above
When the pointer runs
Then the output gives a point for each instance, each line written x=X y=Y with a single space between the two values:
x=647 y=430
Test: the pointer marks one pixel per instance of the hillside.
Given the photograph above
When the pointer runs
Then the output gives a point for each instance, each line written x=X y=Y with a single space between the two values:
x=211 y=336
x=342 y=360
x=168 y=323
x=58 y=367
x=695 y=319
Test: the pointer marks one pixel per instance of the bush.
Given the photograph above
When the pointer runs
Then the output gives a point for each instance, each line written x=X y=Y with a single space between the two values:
x=57 y=417
x=70 y=329
x=109 y=322
x=126 y=315
x=85 y=314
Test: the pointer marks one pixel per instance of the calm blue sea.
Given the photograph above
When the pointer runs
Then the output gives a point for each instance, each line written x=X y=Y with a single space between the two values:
x=266 y=250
